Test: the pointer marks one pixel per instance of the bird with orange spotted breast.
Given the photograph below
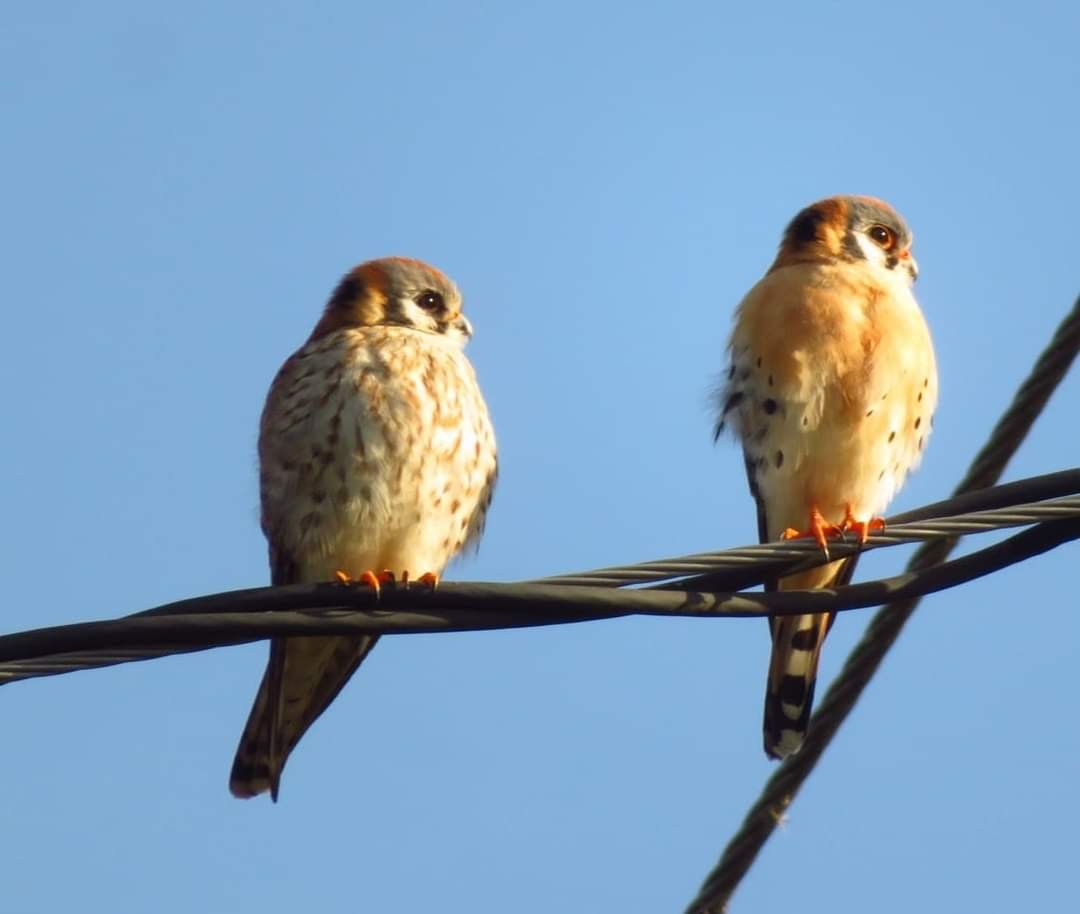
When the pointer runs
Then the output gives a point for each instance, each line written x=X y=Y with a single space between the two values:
x=376 y=460
x=831 y=389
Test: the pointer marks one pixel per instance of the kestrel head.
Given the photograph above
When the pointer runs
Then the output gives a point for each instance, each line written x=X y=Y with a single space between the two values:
x=396 y=291
x=850 y=228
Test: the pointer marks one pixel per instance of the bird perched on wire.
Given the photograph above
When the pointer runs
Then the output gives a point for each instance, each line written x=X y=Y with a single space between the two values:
x=831 y=389
x=376 y=458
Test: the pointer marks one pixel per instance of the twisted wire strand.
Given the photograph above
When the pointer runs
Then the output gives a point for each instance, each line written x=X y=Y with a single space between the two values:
x=323 y=609
x=881 y=633
x=896 y=532
x=200 y=623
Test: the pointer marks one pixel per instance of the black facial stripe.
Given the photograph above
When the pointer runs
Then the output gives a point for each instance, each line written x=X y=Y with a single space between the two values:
x=851 y=246
x=347 y=291
x=804 y=227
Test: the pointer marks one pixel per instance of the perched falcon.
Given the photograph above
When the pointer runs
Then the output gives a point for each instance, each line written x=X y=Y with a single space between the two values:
x=831 y=389
x=376 y=454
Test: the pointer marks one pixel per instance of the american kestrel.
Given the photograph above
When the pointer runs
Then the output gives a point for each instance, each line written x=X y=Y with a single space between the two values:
x=376 y=454
x=831 y=389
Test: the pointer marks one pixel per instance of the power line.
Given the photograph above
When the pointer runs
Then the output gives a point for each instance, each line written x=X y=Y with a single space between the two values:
x=701 y=585
x=236 y=617
x=780 y=790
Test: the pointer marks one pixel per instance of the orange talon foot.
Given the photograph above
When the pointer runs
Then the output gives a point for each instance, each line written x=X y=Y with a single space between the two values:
x=428 y=579
x=372 y=580
x=819 y=528
x=376 y=581
x=862 y=528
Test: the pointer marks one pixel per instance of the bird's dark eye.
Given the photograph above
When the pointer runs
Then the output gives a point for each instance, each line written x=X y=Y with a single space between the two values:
x=884 y=237
x=430 y=301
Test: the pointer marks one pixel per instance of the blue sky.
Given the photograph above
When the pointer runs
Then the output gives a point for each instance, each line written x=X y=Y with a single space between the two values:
x=182 y=189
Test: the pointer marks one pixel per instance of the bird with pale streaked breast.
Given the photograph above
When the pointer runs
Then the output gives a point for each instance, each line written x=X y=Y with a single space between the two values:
x=377 y=462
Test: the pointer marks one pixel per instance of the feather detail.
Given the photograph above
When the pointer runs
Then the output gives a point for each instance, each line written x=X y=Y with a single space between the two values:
x=303 y=677
x=831 y=390
x=376 y=453
x=793 y=665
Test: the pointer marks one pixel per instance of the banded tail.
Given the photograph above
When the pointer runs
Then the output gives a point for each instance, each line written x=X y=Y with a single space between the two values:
x=797 y=641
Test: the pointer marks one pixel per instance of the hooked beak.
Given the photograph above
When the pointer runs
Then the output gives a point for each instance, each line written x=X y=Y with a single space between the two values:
x=462 y=325
x=909 y=263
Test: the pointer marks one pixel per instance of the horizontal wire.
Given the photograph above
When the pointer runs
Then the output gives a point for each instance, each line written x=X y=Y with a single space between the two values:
x=1047 y=505
x=793 y=550
x=327 y=609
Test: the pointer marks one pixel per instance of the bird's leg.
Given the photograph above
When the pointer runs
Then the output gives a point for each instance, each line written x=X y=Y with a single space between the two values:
x=862 y=528
x=819 y=528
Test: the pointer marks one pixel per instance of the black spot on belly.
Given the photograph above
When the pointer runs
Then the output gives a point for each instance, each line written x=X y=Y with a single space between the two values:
x=769 y=406
x=892 y=435
x=869 y=413
x=759 y=361
x=770 y=380
x=918 y=421
x=918 y=399
x=779 y=459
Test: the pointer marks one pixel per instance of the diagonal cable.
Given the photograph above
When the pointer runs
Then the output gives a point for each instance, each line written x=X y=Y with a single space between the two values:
x=780 y=790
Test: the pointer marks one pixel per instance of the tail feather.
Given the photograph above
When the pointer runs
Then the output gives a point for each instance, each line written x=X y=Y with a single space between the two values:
x=302 y=677
x=789 y=697
x=796 y=650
